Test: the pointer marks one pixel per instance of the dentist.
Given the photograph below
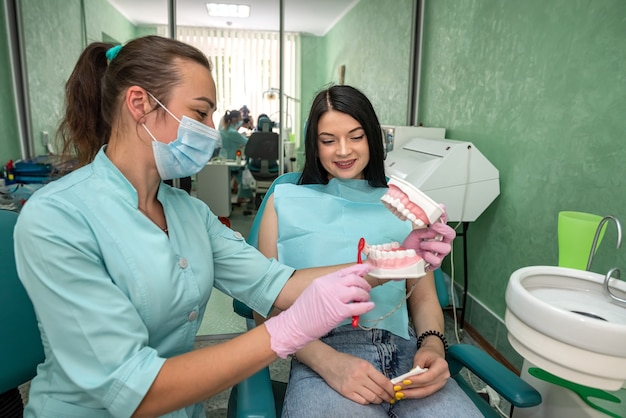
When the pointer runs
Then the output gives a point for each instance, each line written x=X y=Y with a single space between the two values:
x=119 y=266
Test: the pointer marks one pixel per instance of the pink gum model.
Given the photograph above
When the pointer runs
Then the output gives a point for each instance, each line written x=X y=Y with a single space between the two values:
x=408 y=202
x=390 y=261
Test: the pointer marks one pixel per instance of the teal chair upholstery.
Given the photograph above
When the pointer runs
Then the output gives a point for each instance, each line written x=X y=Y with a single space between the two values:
x=20 y=348
x=258 y=396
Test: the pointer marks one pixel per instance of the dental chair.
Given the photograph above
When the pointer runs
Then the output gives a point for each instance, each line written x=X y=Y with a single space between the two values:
x=262 y=154
x=21 y=349
x=259 y=396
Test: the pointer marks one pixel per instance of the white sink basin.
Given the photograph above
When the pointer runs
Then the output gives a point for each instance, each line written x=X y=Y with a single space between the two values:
x=561 y=320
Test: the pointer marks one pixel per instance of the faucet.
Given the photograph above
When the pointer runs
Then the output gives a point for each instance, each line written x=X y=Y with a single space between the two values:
x=598 y=230
x=614 y=271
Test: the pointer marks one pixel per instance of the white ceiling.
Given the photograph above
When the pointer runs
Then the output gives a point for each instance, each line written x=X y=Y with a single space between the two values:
x=308 y=16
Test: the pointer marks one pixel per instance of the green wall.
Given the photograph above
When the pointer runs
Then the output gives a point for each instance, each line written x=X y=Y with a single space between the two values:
x=373 y=41
x=540 y=88
x=54 y=38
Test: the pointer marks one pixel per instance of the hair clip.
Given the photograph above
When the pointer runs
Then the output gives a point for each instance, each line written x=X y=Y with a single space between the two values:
x=112 y=52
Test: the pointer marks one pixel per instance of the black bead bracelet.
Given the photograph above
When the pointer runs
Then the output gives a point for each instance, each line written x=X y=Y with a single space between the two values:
x=434 y=333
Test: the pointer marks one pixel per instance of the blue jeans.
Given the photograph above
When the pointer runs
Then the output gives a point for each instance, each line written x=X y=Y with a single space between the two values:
x=309 y=396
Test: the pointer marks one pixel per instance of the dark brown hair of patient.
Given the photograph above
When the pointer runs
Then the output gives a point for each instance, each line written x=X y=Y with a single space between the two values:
x=94 y=91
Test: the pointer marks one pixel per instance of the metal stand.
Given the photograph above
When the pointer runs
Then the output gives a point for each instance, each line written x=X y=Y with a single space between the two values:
x=465 y=274
x=463 y=234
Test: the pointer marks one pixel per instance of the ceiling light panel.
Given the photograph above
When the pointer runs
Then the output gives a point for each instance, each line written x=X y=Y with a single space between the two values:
x=228 y=10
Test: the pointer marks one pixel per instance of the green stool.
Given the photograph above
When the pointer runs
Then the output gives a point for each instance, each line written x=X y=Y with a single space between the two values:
x=575 y=237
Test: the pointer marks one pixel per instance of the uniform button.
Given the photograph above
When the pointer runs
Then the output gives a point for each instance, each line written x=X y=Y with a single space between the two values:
x=183 y=263
x=238 y=235
x=193 y=315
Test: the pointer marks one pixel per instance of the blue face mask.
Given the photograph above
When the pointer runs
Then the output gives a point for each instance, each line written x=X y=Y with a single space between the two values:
x=188 y=153
x=239 y=124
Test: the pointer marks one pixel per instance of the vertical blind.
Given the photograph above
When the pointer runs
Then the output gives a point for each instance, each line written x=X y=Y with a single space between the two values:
x=245 y=65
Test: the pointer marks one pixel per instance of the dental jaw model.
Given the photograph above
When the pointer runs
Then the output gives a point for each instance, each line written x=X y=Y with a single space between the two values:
x=407 y=202
x=391 y=261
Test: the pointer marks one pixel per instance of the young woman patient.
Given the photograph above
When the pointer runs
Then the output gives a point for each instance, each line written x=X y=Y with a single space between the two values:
x=316 y=218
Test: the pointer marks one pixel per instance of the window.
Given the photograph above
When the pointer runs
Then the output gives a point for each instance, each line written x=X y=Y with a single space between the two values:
x=246 y=64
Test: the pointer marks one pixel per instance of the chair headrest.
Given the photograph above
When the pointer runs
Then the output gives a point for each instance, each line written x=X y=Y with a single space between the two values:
x=263 y=145
x=264 y=124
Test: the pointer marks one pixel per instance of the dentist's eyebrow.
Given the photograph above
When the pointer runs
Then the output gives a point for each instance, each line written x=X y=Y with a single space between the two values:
x=206 y=99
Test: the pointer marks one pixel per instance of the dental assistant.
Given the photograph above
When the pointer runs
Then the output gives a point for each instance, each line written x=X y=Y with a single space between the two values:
x=233 y=141
x=120 y=266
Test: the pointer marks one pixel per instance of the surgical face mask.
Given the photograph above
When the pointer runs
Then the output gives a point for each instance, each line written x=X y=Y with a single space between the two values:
x=188 y=153
x=239 y=124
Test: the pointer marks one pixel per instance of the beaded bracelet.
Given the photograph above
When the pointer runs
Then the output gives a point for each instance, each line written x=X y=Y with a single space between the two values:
x=434 y=333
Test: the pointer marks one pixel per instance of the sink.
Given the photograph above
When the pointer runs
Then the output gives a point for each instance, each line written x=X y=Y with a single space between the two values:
x=561 y=320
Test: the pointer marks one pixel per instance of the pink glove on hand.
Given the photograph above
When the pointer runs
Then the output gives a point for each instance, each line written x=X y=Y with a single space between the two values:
x=425 y=244
x=323 y=305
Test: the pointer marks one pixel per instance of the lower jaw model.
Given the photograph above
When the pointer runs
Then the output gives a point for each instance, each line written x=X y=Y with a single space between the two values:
x=391 y=261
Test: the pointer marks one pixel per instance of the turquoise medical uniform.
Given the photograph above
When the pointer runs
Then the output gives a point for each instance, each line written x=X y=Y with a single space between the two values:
x=232 y=141
x=115 y=296
x=321 y=225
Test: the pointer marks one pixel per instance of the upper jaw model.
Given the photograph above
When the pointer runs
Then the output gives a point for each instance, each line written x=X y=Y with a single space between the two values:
x=391 y=261
x=407 y=202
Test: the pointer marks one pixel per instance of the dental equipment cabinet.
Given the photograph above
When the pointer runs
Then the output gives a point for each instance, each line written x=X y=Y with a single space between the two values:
x=451 y=172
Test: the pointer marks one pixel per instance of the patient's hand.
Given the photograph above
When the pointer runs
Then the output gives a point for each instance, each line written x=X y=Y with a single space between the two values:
x=356 y=379
x=429 y=382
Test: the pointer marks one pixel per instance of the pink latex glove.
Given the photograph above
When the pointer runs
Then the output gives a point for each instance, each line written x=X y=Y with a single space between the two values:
x=323 y=305
x=425 y=243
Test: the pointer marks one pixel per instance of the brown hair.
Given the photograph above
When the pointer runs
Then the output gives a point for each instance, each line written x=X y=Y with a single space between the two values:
x=95 y=88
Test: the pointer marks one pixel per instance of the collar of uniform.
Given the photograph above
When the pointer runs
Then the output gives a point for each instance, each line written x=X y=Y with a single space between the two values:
x=104 y=168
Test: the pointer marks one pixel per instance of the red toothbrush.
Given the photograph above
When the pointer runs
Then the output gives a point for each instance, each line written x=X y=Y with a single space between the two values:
x=359 y=260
